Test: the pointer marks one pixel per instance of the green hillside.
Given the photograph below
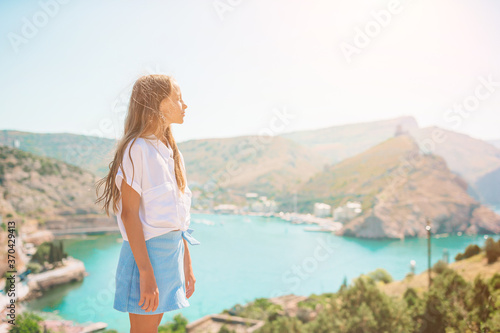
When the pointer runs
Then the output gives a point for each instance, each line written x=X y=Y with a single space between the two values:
x=87 y=152
x=53 y=192
x=275 y=166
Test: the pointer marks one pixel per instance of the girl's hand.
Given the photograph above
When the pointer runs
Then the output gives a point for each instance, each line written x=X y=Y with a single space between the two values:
x=190 y=280
x=149 y=291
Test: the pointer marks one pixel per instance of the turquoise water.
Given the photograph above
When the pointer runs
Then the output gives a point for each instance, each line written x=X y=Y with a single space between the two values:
x=241 y=258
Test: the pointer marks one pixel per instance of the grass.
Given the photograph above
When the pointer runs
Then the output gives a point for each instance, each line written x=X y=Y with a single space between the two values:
x=468 y=268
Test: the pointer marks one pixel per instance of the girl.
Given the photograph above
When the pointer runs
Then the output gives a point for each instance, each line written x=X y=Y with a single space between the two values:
x=147 y=186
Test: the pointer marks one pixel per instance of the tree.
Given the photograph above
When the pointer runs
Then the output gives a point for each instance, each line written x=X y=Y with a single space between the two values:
x=344 y=284
x=380 y=274
x=470 y=251
x=411 y=297
x=49 y=252
x=52 y=254
x=27 y=322
x=492 y=250
x=482 y=304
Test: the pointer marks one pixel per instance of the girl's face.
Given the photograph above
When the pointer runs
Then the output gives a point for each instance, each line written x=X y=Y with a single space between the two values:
x=173 y=106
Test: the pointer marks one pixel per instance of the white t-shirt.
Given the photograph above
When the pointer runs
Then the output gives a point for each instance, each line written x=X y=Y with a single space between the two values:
x=163 y=206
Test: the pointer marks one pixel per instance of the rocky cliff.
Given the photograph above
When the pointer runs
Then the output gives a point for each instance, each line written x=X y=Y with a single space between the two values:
x=399 y=188
x=48 y=190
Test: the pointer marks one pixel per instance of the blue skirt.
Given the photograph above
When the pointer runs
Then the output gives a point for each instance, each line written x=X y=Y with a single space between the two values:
x=166 y=253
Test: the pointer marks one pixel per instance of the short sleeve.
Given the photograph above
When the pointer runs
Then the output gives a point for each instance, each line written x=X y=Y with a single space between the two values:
x=133 y=172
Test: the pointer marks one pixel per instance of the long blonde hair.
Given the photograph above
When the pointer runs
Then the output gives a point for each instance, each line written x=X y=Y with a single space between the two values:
x=143 y=117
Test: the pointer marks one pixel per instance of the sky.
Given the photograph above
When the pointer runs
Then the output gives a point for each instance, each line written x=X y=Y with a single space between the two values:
x=252 y=67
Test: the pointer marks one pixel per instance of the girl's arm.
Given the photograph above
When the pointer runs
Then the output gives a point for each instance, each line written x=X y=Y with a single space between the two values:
x=130 y=217
x=133 y=227
x=188 y=271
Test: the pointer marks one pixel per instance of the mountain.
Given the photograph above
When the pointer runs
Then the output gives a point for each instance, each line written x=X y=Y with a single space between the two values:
x=399 y=187
x=54 y=192
x=270 y=165
x=91 y=153
x=278 y=167
x=477 y=161
x=267 y=165
x=340 y=142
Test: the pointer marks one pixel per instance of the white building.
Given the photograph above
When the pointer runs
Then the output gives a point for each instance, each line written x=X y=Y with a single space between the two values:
x=264 y=206
x=260 y=204
x=251 y=195
x=226 y=209
x=347 y=212
x=322 y=209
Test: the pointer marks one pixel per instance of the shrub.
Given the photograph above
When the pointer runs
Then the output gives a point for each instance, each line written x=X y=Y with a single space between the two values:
x=27 y=322
x=49 y=252
x=470 y=251
x=380 y=274
x=42 y=253
x=482 y=300
x=34 y=267
x=495 y=282
x=492 y=250
x=444 y=305
x=362 y=307
x=177 y=326
x=440 y=267
x=284 y=324
x=225 y=329
x=260 y=308
x=411 y=297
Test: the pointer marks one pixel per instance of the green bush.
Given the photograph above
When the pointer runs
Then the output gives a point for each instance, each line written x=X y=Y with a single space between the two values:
x=225 y=329
x=285 y=324
x=27 y=322
x=411 y=297
x=492 y=249
x=495 y=282
x=260 y=308
x=482 y=300
x=380 y=274
x=177 y=326
x=42 y=253
x=34 y=267
x=470 y=251
x=50 y=252
x=440 y=267
x=362 y=307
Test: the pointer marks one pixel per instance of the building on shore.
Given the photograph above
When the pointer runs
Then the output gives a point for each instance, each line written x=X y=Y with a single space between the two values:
x=226 y=209
x=347 y=212
x=260 y=204
x=322 y=209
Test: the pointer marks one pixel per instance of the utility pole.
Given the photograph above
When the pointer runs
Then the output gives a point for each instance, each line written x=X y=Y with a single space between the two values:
x=295 y=202
x=428 y=228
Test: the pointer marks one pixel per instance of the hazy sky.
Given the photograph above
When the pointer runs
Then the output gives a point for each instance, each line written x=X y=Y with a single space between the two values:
x=68 y=67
